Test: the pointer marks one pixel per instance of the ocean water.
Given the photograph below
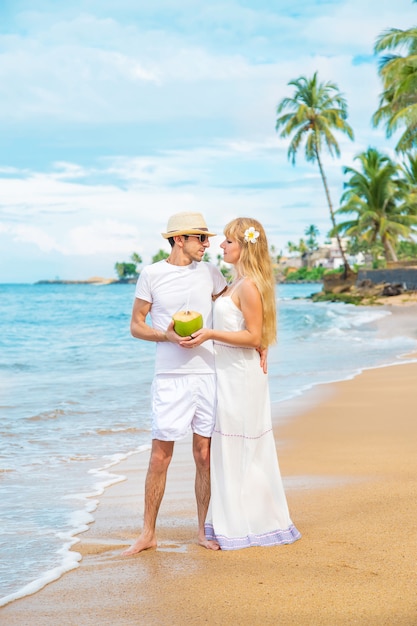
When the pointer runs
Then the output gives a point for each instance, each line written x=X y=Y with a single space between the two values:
x=74 y=401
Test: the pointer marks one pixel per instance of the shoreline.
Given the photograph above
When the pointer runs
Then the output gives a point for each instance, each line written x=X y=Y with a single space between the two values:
x=95 y=280
x=178 y=520
x=349 y=482
x=286 y=409
x=388 y=326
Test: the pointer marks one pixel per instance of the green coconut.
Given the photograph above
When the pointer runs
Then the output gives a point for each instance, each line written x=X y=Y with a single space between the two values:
x=187 y=322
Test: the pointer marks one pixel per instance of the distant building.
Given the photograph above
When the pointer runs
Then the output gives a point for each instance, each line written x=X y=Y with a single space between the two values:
x=328 y=255
x=293 y=261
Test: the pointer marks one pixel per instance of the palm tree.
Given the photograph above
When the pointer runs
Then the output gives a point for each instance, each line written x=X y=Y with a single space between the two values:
x=311 y=232
x=409 y=171
x=398 y=103
x=136 y=258
x=292 y=247
x=377 y=195
x=303 y=250
x=160 y=256
x=314 y=111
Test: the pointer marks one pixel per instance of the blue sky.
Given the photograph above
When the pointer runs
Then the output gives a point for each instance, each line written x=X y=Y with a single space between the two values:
x=114 y=115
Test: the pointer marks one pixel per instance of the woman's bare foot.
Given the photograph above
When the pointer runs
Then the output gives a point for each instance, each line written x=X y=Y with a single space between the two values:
x=209 y=544
x=142 y=543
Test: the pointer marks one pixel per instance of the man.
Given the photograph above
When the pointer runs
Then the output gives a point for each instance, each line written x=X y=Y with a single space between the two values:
x=184 y=387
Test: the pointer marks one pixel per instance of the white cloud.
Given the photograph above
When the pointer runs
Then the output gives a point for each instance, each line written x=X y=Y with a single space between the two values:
x=75 y=219
x=196 y=85
x=22 y=233
x=107 y=236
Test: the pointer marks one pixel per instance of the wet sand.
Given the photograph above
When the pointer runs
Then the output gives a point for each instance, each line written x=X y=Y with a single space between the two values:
x=348 y=454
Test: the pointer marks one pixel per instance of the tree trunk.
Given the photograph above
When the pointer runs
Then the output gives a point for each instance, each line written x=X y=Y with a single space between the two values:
x=332 y=217
x=390 y=254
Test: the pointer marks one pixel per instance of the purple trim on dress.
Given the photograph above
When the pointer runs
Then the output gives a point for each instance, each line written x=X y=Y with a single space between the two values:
x=273 y=538
x=219 y=432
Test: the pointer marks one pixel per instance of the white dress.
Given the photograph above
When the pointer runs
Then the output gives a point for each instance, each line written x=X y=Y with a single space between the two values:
x=248 y=506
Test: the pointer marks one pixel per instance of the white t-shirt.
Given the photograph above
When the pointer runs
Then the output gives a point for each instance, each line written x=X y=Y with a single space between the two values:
x=172 y=288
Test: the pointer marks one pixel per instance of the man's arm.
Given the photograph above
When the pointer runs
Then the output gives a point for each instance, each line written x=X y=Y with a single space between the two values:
x=217 y=295
x=141 y=330
x=138 y=326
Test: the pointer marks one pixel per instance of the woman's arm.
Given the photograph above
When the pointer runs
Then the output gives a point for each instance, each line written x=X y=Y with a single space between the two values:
x=248 y=300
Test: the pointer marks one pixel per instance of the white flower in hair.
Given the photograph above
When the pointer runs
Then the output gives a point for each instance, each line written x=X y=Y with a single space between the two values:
x=251 y=235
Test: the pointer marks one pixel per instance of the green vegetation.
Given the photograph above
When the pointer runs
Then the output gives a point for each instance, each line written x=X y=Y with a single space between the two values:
x=398 y=104
x=311 y=232
x=128 y=270
x=407 y=250
x=160 y=256
x=346 y=298
x=379 y=202
x=379 y=199
x=303 y=273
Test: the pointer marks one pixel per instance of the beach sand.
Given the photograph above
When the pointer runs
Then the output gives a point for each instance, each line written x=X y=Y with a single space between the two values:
x=348 y=454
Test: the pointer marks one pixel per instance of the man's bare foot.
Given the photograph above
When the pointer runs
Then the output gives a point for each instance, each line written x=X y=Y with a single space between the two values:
x=141 y=544
x=209 y=544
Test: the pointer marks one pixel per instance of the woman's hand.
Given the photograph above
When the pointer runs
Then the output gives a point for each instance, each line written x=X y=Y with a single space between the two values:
x=197 y=338
x=263 y=353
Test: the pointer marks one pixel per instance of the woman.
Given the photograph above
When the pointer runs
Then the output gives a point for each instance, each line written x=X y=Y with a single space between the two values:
x=248 y=506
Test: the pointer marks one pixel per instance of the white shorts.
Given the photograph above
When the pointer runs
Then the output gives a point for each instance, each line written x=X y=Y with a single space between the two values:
x=181 y=402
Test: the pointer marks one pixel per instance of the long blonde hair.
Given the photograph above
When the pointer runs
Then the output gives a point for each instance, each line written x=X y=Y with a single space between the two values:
x=255 y=263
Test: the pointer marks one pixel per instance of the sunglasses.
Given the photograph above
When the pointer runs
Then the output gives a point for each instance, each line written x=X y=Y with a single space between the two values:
x=202 y=238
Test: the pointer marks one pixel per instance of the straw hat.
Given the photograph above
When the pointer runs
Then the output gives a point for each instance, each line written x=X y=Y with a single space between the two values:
x=187 y=224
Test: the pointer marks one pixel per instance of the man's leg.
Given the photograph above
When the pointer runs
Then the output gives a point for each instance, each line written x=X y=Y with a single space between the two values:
x=201 y=451
x=161 y=456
